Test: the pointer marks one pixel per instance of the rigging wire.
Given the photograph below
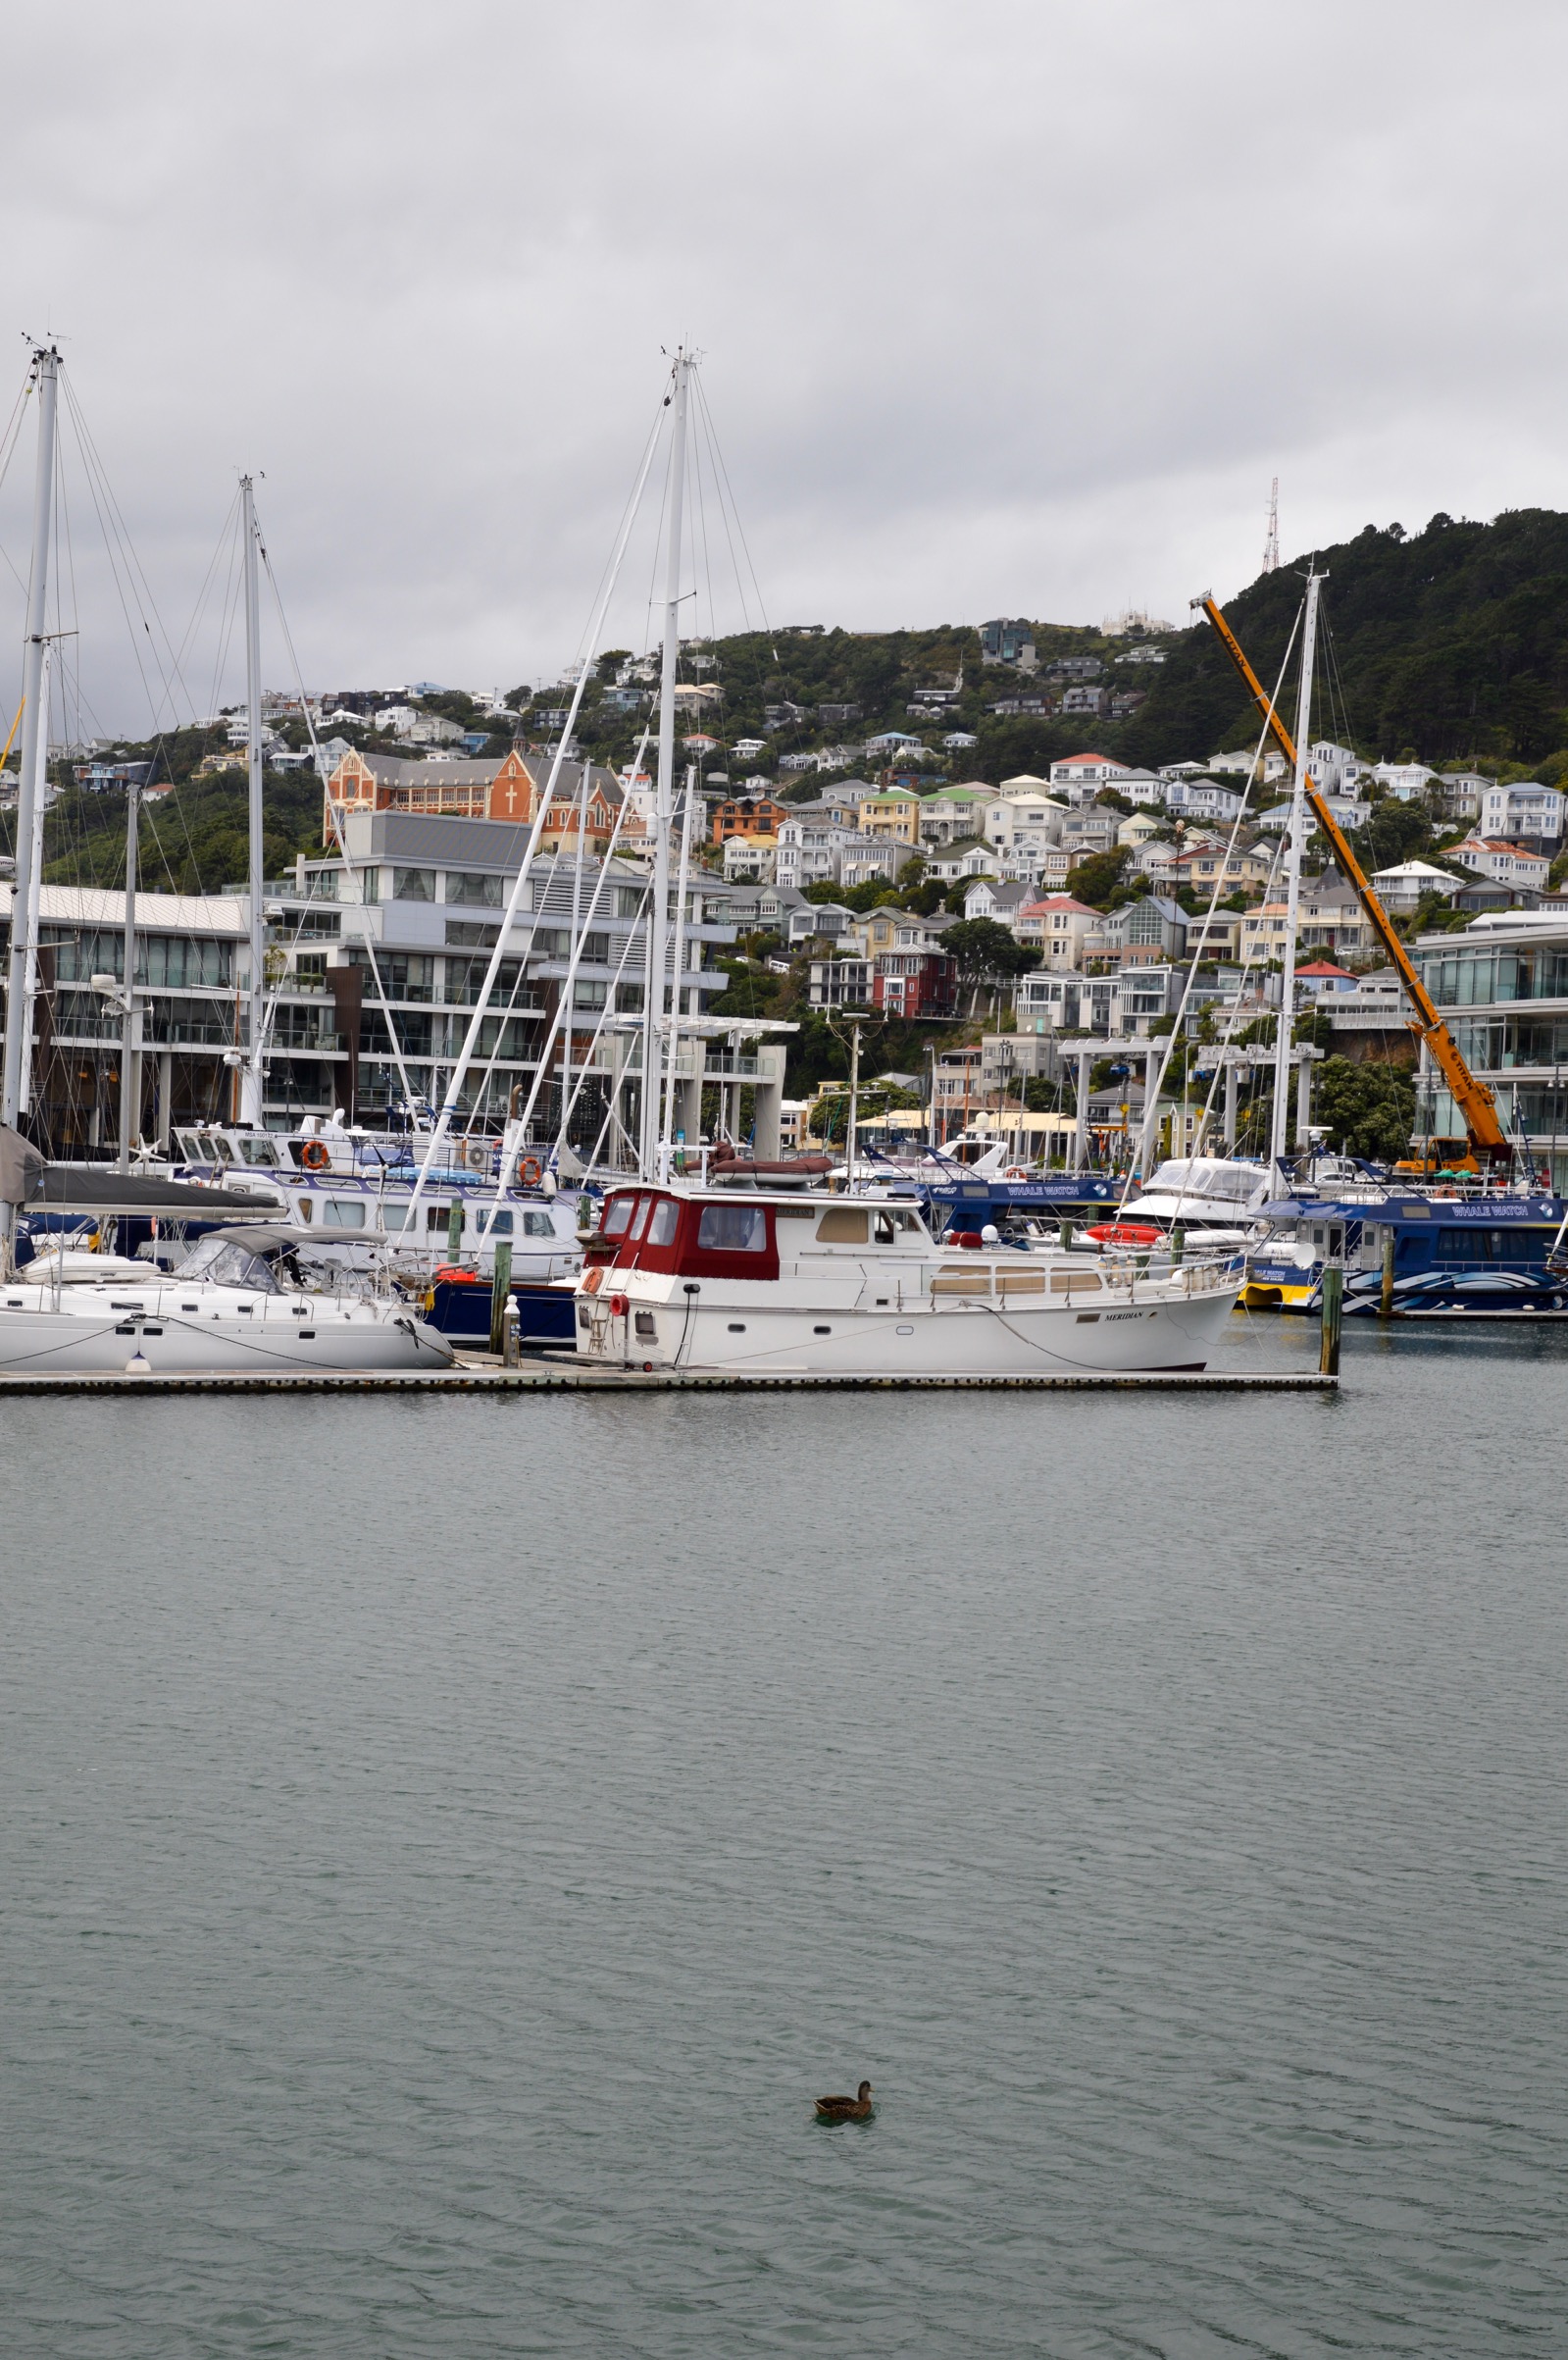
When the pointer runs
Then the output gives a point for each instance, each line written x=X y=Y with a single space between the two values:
x=1152 y=1090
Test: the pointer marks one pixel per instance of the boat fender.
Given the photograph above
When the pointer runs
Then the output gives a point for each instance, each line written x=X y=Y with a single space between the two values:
x=138 y=1366
x=315 y=1156
x=620 y=1304
x=968 y=1239
x=529 y=1172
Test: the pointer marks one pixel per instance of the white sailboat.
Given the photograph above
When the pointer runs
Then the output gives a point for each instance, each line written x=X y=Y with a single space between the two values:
x=225 y=1308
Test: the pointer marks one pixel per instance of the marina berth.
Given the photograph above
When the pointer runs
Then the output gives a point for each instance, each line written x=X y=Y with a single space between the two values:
x=703 y=1277
x=236 y=1305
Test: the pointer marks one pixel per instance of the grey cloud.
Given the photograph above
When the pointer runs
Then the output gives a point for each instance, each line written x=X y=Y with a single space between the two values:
x=1004 y=308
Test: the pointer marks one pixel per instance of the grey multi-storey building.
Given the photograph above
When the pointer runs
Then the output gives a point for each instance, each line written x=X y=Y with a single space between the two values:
x=411 y=917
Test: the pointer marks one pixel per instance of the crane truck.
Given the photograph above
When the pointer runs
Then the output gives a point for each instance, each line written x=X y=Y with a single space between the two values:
x=1488 y=1145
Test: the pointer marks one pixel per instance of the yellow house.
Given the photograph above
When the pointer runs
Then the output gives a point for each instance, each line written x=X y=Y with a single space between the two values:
x=895 y=813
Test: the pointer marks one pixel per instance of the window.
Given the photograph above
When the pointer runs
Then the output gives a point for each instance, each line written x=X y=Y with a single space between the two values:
x=343 y=1212
x=472 y=891
x=842 y=1225
x=539 y=1224
x=661 y=1227
x=413 y=885
x=499 y=1226
x=616 y=1217
x=640 y=1219
x=734 y=1229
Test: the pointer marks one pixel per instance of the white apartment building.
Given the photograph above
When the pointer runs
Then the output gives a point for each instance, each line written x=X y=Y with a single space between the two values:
x=807 y=852
x=1524 y=809
x=1507 y=863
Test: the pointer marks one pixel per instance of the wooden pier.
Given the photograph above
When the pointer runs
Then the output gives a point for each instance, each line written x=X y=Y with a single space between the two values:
x=478 y=1372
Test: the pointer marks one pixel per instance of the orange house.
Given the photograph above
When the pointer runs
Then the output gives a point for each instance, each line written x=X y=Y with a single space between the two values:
x=507 y=789
x=748 y=815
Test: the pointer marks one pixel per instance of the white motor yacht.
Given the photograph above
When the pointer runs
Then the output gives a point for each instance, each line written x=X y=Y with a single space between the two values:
x=773 y=1281
x=227 y=1309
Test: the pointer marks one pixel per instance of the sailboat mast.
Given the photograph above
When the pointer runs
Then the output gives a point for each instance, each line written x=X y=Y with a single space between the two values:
x=34 y=734
x=679 y=958
x=40 y=805
x=250 y=1100
x=129 y=1061
x=664 y=794
x=1303 y=717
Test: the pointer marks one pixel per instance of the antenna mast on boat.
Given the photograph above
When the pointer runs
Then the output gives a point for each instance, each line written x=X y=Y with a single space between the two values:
x=1303 y=717
x=658 y=918
x=251 y=1079
x=46 y=367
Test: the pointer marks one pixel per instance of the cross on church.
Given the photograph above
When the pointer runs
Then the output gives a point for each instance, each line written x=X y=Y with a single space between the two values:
x=510 y=799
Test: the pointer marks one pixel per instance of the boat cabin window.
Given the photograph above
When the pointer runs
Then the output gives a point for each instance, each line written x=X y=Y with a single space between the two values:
x=259 y=1150
x=843 y=1225
x=661 y=1227
x=616 y=1217
x=494 y=1224
x=536 y=1224
x=640 y=1219
x=733 y=1229
x=305 y=1208
x=438 y=1217
x=221 y=1264
x=343 y=1212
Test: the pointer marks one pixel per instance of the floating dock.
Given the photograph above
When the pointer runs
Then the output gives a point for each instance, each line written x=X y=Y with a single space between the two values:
x=479 y=1374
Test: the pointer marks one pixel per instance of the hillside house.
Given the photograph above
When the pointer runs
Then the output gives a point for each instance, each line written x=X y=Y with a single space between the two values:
x=1526 y=810
x=748 y=815
x=507 y=789
x=1057 y=927
x=1510 y=864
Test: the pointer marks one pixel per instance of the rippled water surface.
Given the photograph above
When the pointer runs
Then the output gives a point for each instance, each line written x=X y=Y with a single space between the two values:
x=448 y=1844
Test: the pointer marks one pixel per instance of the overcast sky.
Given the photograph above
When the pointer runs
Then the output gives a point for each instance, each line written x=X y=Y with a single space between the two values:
x=1004 y=308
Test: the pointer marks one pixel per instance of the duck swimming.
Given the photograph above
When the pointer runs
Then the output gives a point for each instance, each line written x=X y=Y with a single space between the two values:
x=846 y=2110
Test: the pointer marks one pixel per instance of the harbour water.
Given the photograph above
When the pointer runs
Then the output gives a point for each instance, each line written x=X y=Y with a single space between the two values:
x=447 y=1844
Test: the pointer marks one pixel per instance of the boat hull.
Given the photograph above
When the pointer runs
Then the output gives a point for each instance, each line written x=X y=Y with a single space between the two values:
x=44 y=1342
x=953 y=1340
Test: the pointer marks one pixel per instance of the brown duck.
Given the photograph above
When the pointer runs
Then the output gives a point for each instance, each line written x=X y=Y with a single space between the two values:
x=846 y=2110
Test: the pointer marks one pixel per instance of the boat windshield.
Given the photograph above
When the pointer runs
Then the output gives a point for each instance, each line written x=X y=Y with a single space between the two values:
x=217 y=1262
x=1206 y=1176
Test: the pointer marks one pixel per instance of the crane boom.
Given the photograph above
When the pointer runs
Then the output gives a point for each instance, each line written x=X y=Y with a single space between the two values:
x=1477 y=1105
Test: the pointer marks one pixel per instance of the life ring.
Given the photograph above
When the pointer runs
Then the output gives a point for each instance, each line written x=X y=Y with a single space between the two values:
x=529 y=1172
x=1125 y=1233
x=315 y=1156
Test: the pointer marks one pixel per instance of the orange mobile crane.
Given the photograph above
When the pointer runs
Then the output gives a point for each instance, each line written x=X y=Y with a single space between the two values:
x=1488 y=1142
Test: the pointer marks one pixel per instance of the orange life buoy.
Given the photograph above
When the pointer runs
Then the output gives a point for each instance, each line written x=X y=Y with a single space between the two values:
x=315 y=1156
x=529 y=1172
x=1125 y=1233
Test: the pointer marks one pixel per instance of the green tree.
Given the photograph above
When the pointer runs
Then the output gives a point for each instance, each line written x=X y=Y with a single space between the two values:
x=1097 y=879
x=1368 y=1110
x=986 y=953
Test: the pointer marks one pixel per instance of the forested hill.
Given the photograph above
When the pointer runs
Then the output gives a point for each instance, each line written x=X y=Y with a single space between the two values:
x=1447 y=643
